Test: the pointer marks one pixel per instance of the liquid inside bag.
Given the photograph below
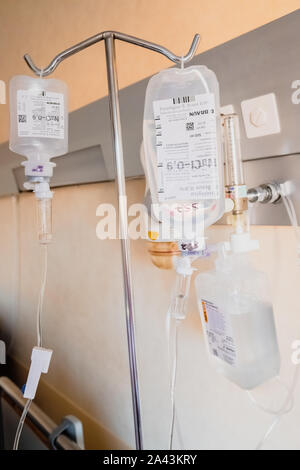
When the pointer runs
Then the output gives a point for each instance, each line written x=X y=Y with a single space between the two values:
x=38 y=121
x=238 y=322
x=182 y=143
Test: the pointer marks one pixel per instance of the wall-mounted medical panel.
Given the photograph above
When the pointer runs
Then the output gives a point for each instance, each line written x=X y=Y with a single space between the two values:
x=264 y=62
x=281 y=170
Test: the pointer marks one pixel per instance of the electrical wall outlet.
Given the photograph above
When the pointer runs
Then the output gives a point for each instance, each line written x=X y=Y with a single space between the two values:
x=261 y=116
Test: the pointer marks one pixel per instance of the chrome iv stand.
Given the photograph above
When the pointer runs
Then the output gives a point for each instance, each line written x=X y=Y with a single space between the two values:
x=109 y=38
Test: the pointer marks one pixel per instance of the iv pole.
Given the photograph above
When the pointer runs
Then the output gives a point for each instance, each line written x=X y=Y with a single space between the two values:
x=109 y=38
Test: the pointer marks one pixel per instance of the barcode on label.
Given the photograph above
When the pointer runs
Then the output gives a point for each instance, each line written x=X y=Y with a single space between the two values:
x=190 y=126
x=184 y=99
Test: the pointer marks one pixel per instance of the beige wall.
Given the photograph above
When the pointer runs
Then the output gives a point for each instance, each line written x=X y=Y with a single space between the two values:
x=43 y=28
x=84 y=323
x=84 y=315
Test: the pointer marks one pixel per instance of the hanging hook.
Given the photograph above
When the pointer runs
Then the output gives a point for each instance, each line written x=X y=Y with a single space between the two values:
x=115 y=35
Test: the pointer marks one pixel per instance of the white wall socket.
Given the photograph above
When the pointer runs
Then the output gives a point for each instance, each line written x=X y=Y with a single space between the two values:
x=261 y=116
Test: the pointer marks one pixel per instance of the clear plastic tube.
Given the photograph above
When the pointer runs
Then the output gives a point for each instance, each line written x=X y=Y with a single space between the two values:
x=39 y=341
x=41 y=298
x=16 y=272
x=289 y=206
x=173 y=384
x=44 y=220
x=273 y=411
x=233 y=157
x=286 y=408
x=180 y=296
x=235 y=182
x=176 y=313
x=21 y=424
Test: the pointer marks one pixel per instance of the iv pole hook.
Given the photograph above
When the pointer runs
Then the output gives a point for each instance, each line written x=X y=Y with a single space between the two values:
x=114 y=35
x=109 y=38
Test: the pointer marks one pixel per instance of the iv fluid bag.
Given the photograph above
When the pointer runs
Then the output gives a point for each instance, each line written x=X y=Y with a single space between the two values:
x=238 y=322
x=182 y=141
x=38 y=121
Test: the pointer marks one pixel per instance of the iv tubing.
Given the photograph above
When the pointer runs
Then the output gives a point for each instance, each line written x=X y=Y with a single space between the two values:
x=269 y=410
x=21 y=424
x=177 y=313
x=39 y=342
x=173 y=384
x=283 y=410
x=41 y=298
x=288 y=204
x=16 y=270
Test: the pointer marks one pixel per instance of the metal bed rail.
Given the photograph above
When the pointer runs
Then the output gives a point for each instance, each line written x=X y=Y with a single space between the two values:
x=39 y=422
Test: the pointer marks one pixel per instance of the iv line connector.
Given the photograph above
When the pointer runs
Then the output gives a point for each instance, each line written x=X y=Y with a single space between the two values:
x=265 y=193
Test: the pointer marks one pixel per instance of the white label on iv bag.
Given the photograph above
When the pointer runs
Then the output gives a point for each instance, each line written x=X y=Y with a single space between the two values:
x=40 y=114
x=219 y=333
x=186 y=143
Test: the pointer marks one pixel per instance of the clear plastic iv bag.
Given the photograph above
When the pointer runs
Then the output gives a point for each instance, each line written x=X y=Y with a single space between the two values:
x=38 y=122
x=182 y=141
x=238 y=321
